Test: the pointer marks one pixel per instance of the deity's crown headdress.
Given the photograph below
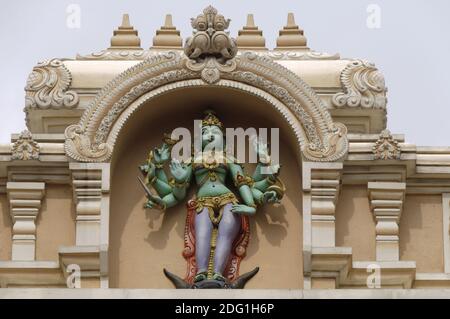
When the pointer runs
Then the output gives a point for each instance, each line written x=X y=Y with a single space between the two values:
x=212 y=120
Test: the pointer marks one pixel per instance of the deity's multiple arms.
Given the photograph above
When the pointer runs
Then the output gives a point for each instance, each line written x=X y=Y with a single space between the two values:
x=267 y=187
x=243 y=184
x=169 y=193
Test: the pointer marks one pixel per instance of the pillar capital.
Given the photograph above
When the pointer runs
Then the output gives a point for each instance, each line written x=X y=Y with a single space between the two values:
x=386 y=203
x=25 y=201
x=90 y=182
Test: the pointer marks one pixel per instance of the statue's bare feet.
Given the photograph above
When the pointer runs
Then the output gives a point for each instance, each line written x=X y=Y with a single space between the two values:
x=218 y=276
x=201 y=276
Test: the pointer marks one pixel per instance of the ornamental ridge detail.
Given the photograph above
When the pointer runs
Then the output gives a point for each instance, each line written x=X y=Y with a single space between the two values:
x=210 y=50
x=134 y=55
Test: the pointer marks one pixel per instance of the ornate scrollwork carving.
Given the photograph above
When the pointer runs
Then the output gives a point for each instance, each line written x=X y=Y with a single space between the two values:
x=363 y=85
x=87 y=141
x=210 y=68
x=335 y=146
x=93 y=139
x=386 y=147
x=47 y=87
x=210 y=50
x=25 y=148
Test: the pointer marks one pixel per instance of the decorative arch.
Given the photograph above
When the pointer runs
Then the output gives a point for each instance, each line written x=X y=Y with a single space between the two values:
x=93 y=138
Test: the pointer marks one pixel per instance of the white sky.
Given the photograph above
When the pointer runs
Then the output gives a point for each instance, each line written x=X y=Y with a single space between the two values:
x=412 y=47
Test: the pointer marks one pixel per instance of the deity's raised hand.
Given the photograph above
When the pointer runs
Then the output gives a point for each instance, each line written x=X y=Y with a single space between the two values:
x=178 y=170
x=262 y=150
x=162 y=154
x=148 y=169
x=273 y=170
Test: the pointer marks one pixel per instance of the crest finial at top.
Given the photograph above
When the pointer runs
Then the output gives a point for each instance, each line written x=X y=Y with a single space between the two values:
x=210 y=38
x=210 y=21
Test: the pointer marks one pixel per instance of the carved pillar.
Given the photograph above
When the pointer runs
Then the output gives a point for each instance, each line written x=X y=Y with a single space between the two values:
x=89 y=186
x=321 y=184
x=25 y=200
x=386 y=204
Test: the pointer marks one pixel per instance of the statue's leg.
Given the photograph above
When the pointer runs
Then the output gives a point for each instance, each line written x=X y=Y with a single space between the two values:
x=203 y=229
x=228 y=230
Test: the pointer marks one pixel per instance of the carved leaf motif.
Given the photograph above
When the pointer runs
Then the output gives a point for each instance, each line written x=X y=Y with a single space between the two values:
x=363 y=85
x=25 y=148
x=386 y=147
x=47 y=87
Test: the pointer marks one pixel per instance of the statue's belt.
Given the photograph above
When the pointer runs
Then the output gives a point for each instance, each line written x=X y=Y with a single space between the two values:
x=215 y=205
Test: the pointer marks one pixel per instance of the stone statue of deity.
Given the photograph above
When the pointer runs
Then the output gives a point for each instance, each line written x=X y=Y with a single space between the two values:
x=217 y=226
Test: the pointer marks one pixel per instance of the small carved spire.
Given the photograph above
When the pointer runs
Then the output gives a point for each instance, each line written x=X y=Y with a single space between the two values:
x=125 y=37
x=167 y=37
x=291 y=36
x=250 y=37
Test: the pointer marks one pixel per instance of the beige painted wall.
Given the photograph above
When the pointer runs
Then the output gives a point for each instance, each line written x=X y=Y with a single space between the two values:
x=56 y=222
x=5 y=229
x=355 y=226
x=421 y=238
x=143 y=242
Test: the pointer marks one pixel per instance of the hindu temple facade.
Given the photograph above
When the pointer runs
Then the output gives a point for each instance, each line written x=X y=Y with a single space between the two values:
x=362 y=208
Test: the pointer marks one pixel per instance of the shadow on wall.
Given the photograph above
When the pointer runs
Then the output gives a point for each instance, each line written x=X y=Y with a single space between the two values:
x=160 y=225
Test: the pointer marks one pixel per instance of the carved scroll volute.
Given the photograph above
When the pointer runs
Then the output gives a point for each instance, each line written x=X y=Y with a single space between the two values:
x=334 y=148
x=210 y=50
x=47 y=87
x=363 y=86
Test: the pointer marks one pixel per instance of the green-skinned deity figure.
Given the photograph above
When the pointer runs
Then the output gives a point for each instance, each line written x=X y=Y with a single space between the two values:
x=217 y=229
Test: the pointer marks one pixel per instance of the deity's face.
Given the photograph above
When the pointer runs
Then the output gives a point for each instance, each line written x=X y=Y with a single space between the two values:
x=212 y=138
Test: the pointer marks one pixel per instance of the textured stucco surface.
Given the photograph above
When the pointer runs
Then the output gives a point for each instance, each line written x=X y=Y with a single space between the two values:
x=421 y=232
x=55 y=223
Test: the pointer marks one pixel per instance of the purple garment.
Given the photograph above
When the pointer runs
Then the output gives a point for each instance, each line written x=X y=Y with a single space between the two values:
x=229 y=227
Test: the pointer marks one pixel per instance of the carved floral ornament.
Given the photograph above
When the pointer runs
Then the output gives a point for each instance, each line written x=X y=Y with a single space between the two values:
x=25 y=148
x=207 y=62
